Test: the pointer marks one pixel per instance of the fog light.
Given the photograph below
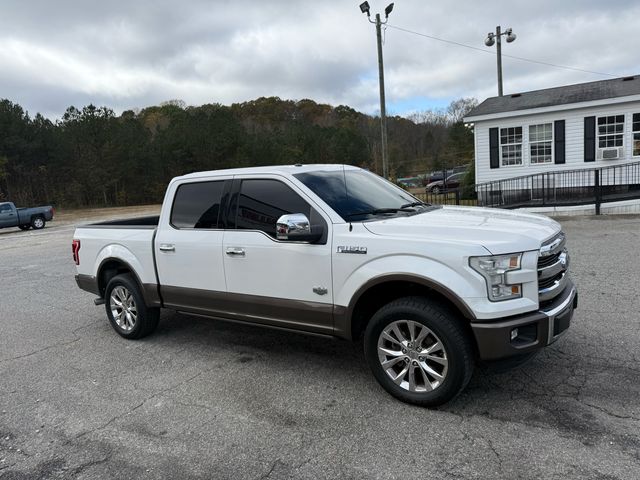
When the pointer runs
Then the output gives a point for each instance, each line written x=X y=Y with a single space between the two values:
x=514 y=334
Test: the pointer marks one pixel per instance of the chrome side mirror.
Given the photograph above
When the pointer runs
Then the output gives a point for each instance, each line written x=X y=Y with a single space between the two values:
x=294 y=226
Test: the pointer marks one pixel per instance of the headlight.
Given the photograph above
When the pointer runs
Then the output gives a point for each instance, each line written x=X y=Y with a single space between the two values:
x=493 y=270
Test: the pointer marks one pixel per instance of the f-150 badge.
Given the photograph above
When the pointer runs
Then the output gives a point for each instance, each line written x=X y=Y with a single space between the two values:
x=352 y=249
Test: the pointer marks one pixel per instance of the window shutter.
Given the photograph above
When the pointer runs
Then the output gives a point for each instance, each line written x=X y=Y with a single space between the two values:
x=494 y=149
x=589 y=139
x=558 y=136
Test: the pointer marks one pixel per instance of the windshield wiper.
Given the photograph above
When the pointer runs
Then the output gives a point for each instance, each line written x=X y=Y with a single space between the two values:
x=380 y=211
x=414 y=204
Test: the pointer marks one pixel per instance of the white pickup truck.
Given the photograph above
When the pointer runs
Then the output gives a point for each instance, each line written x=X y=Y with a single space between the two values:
x=336 y=250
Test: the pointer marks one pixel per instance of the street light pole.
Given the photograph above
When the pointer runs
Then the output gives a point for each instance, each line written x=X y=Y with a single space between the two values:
x=497 y=38
x=364 y=8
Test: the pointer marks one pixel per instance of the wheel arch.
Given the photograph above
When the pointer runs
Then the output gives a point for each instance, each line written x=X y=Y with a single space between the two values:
x=351 y=321
x=112 y=266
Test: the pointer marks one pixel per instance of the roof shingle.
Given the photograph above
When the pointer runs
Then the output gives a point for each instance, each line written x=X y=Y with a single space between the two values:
x=582 y=92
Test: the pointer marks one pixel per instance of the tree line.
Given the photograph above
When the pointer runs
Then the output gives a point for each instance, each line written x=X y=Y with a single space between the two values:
x=93 y=157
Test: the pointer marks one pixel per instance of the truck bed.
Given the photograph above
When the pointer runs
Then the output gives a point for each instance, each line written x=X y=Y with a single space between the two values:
x=130 y=240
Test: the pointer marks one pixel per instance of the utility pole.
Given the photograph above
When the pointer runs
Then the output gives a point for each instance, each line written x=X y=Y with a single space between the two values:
x=496 y=38
x=383 y=109
x=364 y=8
x=499 y=50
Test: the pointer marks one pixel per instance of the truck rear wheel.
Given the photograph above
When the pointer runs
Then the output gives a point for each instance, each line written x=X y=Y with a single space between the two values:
x=37 y=223
x=126 y=310
x=418 y=351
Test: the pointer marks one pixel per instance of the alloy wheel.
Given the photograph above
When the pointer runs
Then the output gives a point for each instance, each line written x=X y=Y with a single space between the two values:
x=123 y=308
x=413 y=356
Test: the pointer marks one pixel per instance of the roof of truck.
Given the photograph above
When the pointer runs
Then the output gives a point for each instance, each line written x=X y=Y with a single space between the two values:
x=278 y=169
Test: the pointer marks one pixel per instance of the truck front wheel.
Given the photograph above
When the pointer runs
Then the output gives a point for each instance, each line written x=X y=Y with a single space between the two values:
x=126 y=310
x=418 y=351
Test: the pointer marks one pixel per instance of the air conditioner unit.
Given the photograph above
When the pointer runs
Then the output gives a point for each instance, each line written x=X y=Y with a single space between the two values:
x=613 y=153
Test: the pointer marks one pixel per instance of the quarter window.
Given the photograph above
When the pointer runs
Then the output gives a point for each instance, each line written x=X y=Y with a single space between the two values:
x=610 y=131
x=540 y=143
x=197 y=205
x=511 y=145
x=262 y=202
x=636 y=134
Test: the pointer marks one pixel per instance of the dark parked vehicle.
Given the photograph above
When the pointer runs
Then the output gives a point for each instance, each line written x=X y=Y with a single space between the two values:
x=441 y=174
x=24 y=218
x=441 y=186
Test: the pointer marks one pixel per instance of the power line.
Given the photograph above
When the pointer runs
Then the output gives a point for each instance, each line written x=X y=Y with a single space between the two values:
x=490 y=52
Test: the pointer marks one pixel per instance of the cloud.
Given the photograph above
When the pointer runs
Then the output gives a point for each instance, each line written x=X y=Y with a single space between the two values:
x=131 y=54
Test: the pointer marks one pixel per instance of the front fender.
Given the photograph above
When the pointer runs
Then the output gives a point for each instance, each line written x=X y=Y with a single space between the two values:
x=455 y=284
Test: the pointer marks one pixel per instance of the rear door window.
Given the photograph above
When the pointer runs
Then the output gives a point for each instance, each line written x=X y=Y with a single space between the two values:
x=197 y=205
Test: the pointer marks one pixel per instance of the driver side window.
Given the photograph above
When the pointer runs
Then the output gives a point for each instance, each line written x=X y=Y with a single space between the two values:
x=262 y=201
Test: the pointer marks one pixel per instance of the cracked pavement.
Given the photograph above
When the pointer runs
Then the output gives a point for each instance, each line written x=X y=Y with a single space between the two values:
x=209 y=399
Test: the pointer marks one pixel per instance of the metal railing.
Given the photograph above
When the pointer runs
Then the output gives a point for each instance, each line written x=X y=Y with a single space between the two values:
x=452 y=196
x=565 y=187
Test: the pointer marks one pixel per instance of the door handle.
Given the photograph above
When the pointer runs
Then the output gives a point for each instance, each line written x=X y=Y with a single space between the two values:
x=235 y=251
x=165 y=247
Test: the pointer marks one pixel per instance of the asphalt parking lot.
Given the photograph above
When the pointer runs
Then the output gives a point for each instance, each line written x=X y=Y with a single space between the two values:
x=208 y=399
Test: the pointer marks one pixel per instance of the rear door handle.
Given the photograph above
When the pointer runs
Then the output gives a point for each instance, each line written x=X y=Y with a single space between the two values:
x=165 y=247
x=235 y=251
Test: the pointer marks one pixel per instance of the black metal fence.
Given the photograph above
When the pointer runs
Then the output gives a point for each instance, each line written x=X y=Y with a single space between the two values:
x=568 y=187
x=452 y=196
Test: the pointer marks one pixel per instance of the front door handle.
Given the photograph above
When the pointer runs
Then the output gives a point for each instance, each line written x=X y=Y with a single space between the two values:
x=235 y=251
x=166 y=247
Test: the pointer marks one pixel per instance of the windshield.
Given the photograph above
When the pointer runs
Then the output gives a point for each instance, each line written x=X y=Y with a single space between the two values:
x=358 y=195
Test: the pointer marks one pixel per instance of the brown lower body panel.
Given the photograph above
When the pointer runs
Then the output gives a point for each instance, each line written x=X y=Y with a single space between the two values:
x=278 y=312
x=90 y=284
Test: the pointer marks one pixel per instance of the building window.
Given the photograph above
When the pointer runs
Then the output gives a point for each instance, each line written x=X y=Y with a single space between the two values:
x=611 y=131
x=540 y=143
x=511 y=146
x=636 y=134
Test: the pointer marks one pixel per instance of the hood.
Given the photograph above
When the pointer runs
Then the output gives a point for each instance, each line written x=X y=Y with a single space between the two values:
x=499 y=231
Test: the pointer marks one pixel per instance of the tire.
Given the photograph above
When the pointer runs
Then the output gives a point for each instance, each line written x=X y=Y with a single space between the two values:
x=38 y=223
x=435 y=190
x=437 y=378
x=24 y=227
x=135 y=320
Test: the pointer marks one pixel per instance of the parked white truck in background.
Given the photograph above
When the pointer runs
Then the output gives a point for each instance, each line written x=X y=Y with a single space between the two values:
x=337 y=250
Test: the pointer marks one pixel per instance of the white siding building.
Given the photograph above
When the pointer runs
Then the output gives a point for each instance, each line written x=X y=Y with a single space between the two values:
x=582 y=126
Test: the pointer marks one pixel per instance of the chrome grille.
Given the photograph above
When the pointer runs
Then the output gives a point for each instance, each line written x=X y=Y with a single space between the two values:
x=553 y=266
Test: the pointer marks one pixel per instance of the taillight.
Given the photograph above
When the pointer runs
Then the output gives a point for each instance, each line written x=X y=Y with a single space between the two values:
x=75 y=249
x=53 y=211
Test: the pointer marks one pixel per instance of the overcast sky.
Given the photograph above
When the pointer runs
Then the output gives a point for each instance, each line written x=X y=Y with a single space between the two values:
x=136 y=53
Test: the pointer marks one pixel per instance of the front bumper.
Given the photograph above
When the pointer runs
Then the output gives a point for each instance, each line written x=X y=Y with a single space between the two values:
x=535 y=330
